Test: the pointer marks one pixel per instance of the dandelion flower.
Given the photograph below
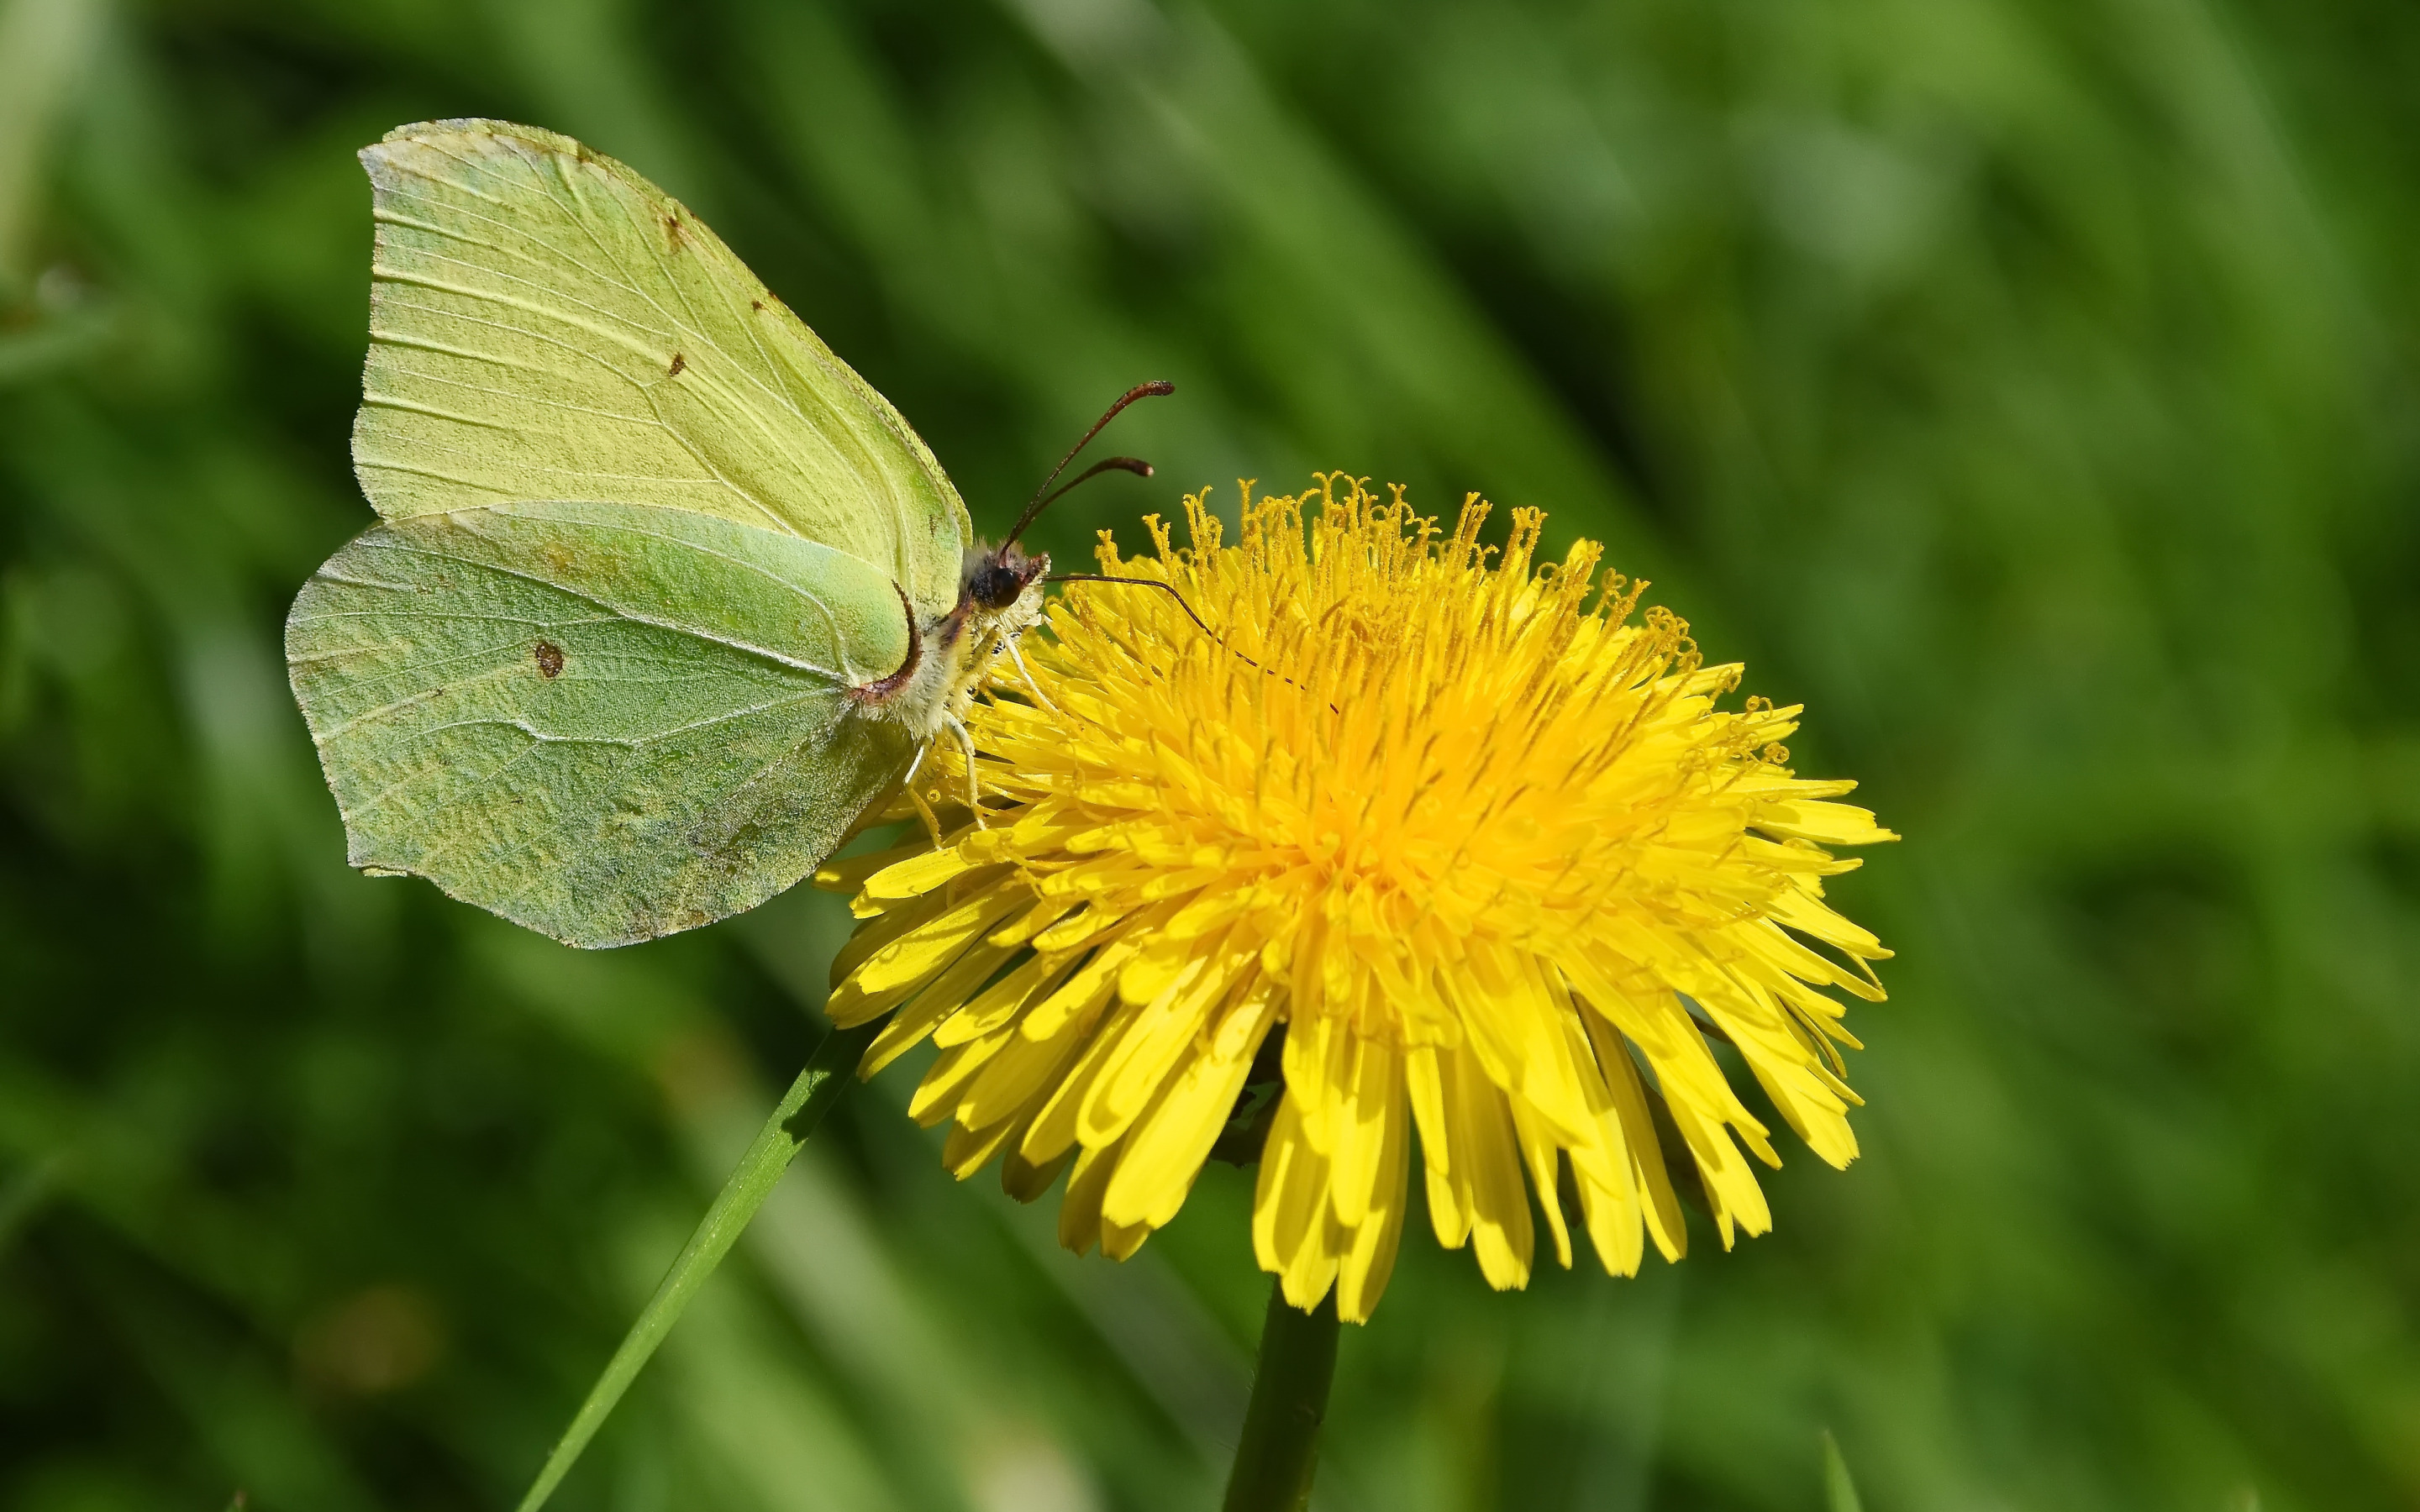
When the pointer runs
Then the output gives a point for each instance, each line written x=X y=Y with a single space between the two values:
x=1470 y=839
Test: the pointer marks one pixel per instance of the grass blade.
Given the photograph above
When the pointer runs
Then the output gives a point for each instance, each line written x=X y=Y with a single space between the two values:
x=804 y=1106
x=1839 y=1491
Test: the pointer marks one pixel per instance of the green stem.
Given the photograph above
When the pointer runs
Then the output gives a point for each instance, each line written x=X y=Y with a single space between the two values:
x=804 y=1106
x=1279 y=1449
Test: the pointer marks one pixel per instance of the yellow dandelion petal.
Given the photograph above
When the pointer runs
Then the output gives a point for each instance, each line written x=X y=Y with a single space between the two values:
x=1169 y=1147
x=1470 y=835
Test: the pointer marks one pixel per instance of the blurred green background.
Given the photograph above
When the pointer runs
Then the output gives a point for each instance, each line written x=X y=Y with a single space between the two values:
x=2027 y=385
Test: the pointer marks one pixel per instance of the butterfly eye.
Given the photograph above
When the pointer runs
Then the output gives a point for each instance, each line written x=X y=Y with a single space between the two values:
x=996 y=587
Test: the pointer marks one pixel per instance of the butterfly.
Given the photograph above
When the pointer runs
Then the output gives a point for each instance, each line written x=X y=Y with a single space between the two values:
x=662 y=597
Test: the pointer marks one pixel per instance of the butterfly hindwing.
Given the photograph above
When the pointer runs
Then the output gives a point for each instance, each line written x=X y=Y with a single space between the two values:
x=604 y=721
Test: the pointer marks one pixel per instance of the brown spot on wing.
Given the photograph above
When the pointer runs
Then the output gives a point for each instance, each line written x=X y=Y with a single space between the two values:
x=678 y=362
x=550 y=659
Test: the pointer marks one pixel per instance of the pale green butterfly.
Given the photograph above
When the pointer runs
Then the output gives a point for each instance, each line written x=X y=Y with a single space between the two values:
x=662 y=595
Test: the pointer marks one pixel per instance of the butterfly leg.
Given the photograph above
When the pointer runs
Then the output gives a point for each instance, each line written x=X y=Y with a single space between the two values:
x=974 y=798
x=923 y=811
x=1027 y=672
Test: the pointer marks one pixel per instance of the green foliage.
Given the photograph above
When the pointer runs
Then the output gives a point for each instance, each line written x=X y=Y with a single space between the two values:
x=2023 y=384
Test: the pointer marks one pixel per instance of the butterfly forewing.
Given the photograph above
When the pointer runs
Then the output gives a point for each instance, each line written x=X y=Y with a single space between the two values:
x=546 y=324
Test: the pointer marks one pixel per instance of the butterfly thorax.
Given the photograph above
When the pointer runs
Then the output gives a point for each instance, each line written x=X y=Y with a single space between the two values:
x=949 y=656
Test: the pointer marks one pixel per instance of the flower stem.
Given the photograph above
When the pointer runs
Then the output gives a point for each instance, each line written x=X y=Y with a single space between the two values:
x=804 y=1106
x=1279 y=1449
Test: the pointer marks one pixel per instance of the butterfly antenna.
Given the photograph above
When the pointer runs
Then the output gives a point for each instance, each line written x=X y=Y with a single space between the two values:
x=1170 y=589
x=1159 y=387
x=1135 y=465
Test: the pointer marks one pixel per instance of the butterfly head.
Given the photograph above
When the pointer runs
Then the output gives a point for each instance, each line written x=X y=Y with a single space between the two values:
x=995 y=578
x=1000 y=598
